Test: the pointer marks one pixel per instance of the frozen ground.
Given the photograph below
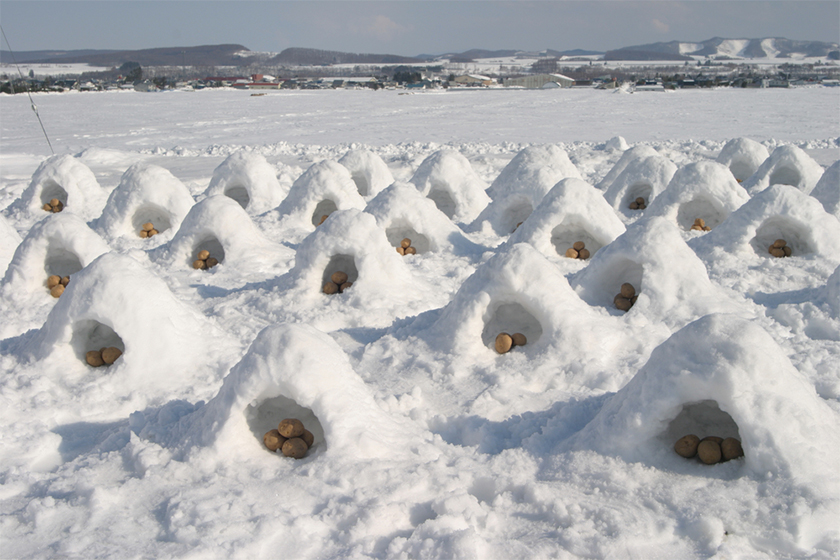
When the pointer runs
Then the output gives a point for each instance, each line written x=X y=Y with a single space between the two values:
x=428 y=444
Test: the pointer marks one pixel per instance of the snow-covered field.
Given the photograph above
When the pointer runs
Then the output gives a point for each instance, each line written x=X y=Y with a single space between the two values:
x=428 y=443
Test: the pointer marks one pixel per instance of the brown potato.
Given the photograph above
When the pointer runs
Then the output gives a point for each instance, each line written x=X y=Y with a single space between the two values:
x=707 y=228
x=153 y=232
x=583 y=254
x=211 y=262
x=94 y=358
x=294 y=447
x=519 y=339
x=148 y=226
x=203 y=254
x=47 y=207
x=273 y=440
x=777 y=252
x=633 y=300
x=308 y=438
x=401 y=250
x=709 y=451
x=57 y=290
x=290 y=428
x=700 y=222
x=622 y=303
x=788 y=251
x=110 y=355
x=144 y=234
x=642 y=206
x=339 y=278
x=54 y=202
x=323 y=219
x=64 y=281
x=578 y=245
x=199 y=264
x=405 y=243
x=53 y=280
x=330 y=288
x=571 y=253
x=779 y=243
x=640 y=200
x=627 y=290
x=344 y=286
x=634 y=205
x=695 y=227
x=410 y=251
x=716 y=439
x=730 y=448
x=686 y=446
x=504 y=342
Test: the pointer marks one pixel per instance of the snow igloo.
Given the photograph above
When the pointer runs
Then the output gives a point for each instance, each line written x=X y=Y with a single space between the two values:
x=642 y=178
x=146 y=194
x=704 y=190
x=571 y=211
x=447 y=178
x=827 y=190
x=742 y=157
x=522 y=184
x=787 y=165
x=367 y=170
x=250 y=180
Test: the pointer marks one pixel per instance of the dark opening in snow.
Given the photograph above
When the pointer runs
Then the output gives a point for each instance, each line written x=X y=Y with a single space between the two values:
x=510 y=317
x=397 y=233
x=343 y=263
x=794 y=233
x=239 y=194
x=566 y=234
x=324 y=208
x=785 y=176
x=699 y=208
x=210 y=244
x=50 y=189
x=362 y=184
x=61 y=262
x=267 y=414
x=516 y=213
x=703 y=418
x=93 y=335
x=151 y=213
x=443 y=200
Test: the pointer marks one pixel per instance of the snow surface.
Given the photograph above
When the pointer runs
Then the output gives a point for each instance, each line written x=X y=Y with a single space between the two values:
x=428 y=444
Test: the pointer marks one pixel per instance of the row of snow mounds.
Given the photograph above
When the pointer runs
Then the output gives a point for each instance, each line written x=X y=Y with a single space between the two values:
x=787 y=165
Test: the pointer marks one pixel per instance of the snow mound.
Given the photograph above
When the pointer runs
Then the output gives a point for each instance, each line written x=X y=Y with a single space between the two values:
x=832 y=292
x=644 y=177
x=368 y=170
x=616 y=144
x=636 y=152
x=402 y=211
x=67 y=179
x=787 y=165
x=221 y=226
x=779 y=212
x=672 y=284
x=115 y=301
x=713 y=378
x=571 y=211
x=9 y=241
x=146 y=193
x=250 y=180
x=704 y=190
x=296 y=371
x=324 y=188
x=448 y=179
x=827 y=190
x=743 y=157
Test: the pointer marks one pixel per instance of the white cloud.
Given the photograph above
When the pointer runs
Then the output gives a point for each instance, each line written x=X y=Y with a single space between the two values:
x=660 y=26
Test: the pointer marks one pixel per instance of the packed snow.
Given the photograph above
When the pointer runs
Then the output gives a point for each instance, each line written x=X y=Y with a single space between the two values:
x=428 y=442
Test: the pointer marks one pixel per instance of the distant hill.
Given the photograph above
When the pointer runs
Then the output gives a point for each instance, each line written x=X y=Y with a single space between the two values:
x=770 y=47
x=38 y=56
x=208 y=55
x=316 y=57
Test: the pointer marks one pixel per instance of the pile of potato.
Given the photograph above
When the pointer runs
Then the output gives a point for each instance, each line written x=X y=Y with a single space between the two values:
x=700 y=225
x=505 y=342
x=290 y=437
x=625 y=299
x=638 y=204
x=578 y=251
x=103 y=356
x=405 y=247
x=148 y=230
x=56 y=284
x=710 y=449
x=780 y=249
x=204 y=261
x=54 y=205
x=337 y=283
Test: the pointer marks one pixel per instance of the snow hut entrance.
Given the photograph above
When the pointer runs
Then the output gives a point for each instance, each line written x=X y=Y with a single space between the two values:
x=510 y=318
x=565 y=235
x=699 y=208
x=343 y=263
x=61 y=262
x=643 y=190
x=239 y=194
x=266 y=415
x=151 y=213
x=396 y=234
x=785 y=176
x=704 y=418
x=515 y=214
x=51 y=190
x=210 y=244
x=443 y=200
x=362 y=184
x=781 y=227
x=324 y=208
x=92 y=335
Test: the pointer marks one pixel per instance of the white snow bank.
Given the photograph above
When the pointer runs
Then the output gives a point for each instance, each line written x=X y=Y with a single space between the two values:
x=827 y=190
x=146 y=193
x=616 y=144
x=699 y=190
x=672 y=285
x=644 y=177
x=743 y=157
x=779 y=212
x=787 y=165
x=67 y=179
x=9 y=241
x=636 y=152
x=403 y=211
x=724 y=376
x=250 y=180
x=368 y=170
x=571 y=211
x=448 y=179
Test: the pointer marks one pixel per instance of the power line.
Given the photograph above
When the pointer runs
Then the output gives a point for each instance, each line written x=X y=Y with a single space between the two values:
x=31 y=101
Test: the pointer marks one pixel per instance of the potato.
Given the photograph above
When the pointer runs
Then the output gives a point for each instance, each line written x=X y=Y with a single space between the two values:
x=633 y=300
x=519 y=339
x=308 y=438
x=144 y=234
x=700 y=222
x=788 y=251
x=64 y=281
x=571 y=253
x=410 y=251
x=57 y=290
x=622 y=303
x=53 y=281
x=578 y=245
x=401 y=250
x=504 y=342
x=695 y=227
x=686 y=446
x=642 y=206
x=148 y=226
x=199 y=264
x=405 y=243
x=716 y=439
x=110 y=355
x=640 y=200
x=330 y=288
x=211 y=262
x=730 y=448
x=709 y=451
x=634 y=205
x=94 y=358
x=47 y=207
x=627 y=290
x=344 y=286
x=54 y=202
x=273 y=440
x=294 y=447
x=779 y=243
x=339 y=278
x=777 y=252
x=290 y=428
x=58 y=207
x=153 y=231
x=203 y=254
x=323 y=219
x=583 y=254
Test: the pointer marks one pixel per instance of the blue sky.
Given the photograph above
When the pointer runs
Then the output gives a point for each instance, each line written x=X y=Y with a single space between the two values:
x=406 y=27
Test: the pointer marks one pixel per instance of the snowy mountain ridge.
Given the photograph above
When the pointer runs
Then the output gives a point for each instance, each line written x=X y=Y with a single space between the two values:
x=768 y=47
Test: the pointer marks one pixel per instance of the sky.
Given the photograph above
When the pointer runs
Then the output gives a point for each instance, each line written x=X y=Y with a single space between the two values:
x=406 y=27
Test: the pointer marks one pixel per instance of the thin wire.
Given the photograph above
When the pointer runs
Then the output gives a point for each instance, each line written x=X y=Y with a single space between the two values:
x=31 y=102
